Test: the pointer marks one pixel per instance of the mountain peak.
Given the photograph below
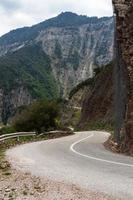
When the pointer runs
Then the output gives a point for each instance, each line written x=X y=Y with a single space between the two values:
x=67 y=13
x=62 y=20
x=71 y=15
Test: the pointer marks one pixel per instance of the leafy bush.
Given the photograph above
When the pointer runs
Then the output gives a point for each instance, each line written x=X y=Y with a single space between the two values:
x=7 y=130
x=38 y=117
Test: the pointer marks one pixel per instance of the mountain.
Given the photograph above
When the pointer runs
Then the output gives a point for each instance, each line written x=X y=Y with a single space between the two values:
x=48 y=59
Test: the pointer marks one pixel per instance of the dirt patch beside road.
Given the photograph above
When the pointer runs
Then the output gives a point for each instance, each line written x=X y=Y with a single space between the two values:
x=16 y=185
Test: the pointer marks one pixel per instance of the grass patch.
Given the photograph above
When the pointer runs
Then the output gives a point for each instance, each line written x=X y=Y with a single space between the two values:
x=7 y=130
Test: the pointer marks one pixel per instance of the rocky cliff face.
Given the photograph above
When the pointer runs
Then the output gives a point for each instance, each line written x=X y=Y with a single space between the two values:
x=75 y=45
x=52 y=57
x=124 y=49
x=76 y=51
x=10 y=101
x=98 y=103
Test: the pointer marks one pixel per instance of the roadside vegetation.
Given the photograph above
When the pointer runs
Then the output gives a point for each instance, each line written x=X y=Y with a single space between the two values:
x=7 y=129
x=88 y=82
x=100 y=125
x=70 y=117
x=39 y=117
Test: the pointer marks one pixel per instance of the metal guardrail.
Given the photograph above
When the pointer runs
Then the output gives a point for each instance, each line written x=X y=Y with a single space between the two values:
x=23 y=134
x=16 y=135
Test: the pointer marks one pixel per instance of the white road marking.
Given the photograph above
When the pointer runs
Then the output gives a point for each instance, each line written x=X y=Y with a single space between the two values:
x=95 y=158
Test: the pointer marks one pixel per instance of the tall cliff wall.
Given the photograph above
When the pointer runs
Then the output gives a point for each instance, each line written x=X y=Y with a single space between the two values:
x=124 y=68
x=10 y=101
x=98 y=103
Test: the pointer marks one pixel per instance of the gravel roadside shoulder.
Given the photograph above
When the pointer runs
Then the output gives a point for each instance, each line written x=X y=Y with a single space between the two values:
x=17 y=185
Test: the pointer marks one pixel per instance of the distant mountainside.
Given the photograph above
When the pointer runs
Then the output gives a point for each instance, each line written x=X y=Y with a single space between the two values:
x=48 y=59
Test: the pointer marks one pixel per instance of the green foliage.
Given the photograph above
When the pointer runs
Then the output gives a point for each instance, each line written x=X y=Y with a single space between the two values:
x=75 y=118
x=7 y=130
x=103 y=69
x=38 y=117
x=88 y=82
x=70 y=115
x=29 y=67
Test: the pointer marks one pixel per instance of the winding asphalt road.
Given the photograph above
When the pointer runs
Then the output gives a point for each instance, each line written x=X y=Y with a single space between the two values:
x=80 y=159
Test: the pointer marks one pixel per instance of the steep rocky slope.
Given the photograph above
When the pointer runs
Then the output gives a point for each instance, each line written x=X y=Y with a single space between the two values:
x=65 y=50
x=75 y=51
x=124 y=68
x=97 y=106
x=12 y=100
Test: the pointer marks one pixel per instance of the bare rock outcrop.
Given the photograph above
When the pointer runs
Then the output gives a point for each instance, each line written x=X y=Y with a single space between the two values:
x=124 y=51
x=75 y=51
x=98 y=106
x=10 y=101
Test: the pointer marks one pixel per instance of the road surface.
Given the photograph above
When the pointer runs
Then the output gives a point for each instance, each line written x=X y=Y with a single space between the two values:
x=80 y=159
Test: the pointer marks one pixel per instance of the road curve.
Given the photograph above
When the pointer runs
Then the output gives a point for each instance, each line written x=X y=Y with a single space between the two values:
x=80 y=159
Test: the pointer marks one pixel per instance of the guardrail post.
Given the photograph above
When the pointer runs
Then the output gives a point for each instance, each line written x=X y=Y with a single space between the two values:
x=18 y=139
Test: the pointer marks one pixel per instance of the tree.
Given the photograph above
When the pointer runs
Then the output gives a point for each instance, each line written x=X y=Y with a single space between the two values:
x=38 y=117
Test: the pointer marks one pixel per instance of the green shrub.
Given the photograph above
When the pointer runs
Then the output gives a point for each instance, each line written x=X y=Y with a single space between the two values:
x=7 y=130
x=40 y=116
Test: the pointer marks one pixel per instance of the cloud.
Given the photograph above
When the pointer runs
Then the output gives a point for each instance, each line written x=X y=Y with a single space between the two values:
x=9 y=5
x=19 y=13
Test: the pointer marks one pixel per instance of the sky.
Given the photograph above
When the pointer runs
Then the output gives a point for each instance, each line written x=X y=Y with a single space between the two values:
x=20 y=13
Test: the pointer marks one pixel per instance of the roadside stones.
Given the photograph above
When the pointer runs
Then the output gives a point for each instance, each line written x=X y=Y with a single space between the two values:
x=4 y=165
